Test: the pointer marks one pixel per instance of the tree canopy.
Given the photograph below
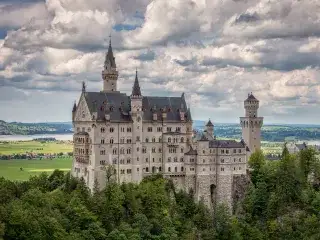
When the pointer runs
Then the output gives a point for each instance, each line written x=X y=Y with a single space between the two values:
x=283 y=202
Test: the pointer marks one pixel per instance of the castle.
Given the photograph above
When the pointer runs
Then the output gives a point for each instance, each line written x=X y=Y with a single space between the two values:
x=142 y=135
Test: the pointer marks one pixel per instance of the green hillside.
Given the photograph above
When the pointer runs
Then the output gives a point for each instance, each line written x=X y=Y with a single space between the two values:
x=15 y=128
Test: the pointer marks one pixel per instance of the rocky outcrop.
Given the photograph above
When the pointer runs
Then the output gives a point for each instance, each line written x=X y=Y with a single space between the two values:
x=239 y=188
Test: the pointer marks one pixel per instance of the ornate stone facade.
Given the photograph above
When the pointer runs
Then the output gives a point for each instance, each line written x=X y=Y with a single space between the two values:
x=142 y=135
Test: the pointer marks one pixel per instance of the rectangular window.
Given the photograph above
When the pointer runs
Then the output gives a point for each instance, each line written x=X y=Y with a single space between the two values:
x=168 y=129
x=149 y=129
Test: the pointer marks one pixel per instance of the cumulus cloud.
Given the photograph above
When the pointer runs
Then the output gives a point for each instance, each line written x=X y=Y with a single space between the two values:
x=214 y=51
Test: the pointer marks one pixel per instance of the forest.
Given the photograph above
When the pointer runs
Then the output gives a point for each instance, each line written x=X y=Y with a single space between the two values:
x=281 y=202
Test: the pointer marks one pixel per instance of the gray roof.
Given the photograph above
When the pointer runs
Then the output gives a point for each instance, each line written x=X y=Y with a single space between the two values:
x=110 y=58
x=74 y=107
x=191 y=152
x=301 y=146
x=136 y=91
x=118 y=106
x=226 y=144
x=209 y=123
x=251 y=97
x=203 y=138
x=82 y=134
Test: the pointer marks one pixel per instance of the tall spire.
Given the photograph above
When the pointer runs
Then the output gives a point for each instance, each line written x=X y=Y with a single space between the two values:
x=83 y=86
x=136 y=91
x=74 y=107
x=110 y=59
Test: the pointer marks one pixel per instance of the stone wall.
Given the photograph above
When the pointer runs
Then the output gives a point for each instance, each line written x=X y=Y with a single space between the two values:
x=203 y=192
x=224 y=189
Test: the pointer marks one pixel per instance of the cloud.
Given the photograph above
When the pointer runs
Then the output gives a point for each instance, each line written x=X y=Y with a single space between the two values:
x=214 y=51
x=276 y=19
x=16 y=15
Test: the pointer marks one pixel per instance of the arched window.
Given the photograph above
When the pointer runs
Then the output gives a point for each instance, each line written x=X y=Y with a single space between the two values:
x=182 y=139
x=114 y=151
x=111 y=140
x=181 y=159
x=103 y=130
x=182 y=169
x=147 y=169
x=160 y=169
x=147 y=139
x=169 y=169
x=169 y=140
x=122 y=151
x=153 y=139
x=102 y=141
x=111 y=129
x=181 y=150
x=128 y=150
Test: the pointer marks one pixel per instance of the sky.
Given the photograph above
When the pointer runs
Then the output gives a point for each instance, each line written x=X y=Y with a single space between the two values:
x=216 y=52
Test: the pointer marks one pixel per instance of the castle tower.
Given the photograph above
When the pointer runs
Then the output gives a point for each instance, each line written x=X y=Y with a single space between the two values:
x=251 y=124
x=209 y=128
x=137 y=116
x=109 y=72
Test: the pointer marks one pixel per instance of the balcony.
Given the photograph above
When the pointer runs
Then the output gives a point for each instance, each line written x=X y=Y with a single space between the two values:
x=82 y=159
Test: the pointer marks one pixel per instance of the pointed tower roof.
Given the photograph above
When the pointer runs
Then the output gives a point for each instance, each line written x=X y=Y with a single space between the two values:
x=110 y=59
x=74 y=107
x=209 y=123
x=251 y=97
x=136 y=91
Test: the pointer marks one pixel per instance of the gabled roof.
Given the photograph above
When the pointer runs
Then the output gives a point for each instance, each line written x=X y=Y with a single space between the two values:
x=301 y=146
x=203 y=138
x=191 y=152
x=136 y=91
x=117 y=105
x=226 y=144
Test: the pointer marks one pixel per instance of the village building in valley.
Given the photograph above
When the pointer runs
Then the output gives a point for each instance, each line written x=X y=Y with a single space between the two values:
x=142 y=135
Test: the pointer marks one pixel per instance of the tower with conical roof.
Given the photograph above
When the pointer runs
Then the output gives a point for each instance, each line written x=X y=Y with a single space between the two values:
x=251 y=124
x=209 y=128
x=137 y=121
x=109 y=72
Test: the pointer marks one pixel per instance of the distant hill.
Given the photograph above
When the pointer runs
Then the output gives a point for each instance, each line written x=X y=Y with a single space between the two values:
x=269 y=132
x=17 y=128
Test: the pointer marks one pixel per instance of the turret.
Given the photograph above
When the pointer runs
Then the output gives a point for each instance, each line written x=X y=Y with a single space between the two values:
x=137 y=121
x=110 y=73
x=251 y=124
x=251 y=105
x=209 y=128
x=74 y=110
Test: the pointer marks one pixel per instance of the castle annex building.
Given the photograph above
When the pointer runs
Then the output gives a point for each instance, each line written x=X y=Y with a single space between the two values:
x=141 y=135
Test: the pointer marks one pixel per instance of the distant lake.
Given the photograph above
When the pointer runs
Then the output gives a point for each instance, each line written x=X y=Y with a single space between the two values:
x=68 y=136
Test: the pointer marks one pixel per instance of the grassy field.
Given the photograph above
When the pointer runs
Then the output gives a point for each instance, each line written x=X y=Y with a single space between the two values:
x=10 y=169
x=7 y=148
